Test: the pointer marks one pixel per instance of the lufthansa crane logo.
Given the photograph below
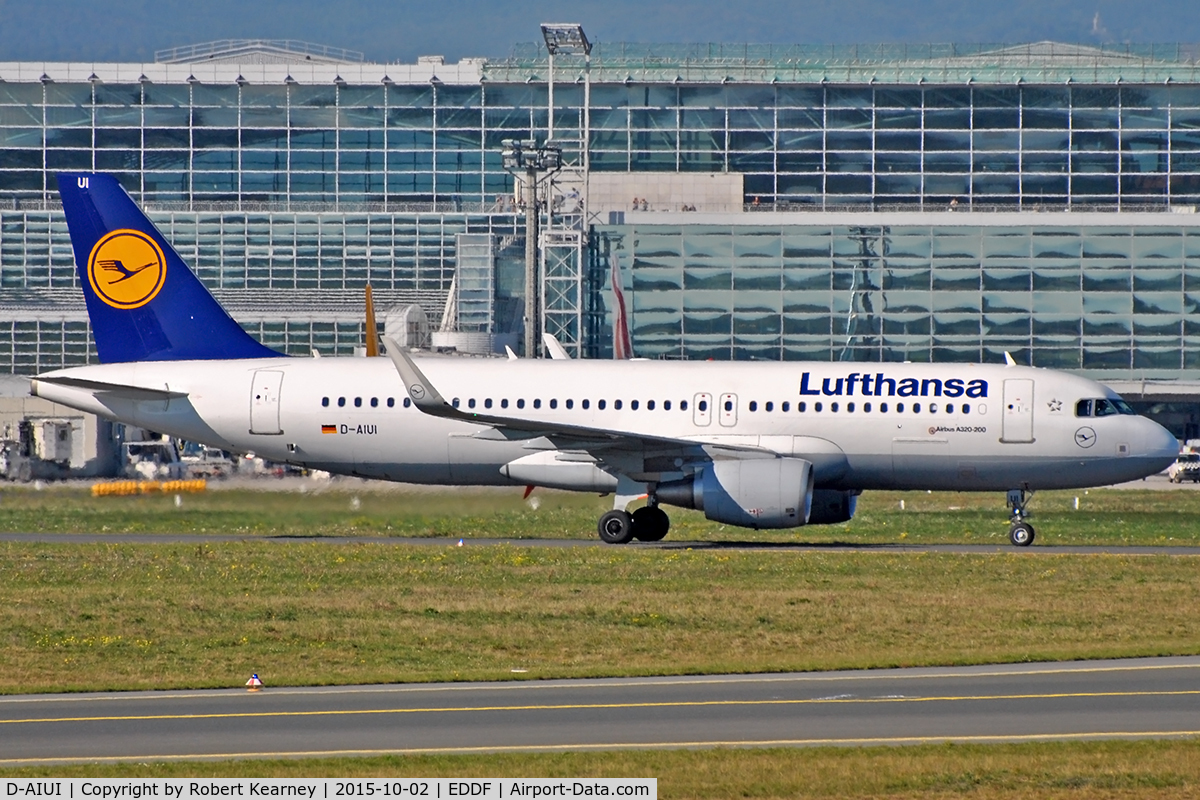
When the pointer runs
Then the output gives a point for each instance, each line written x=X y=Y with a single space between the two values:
x=126 y=269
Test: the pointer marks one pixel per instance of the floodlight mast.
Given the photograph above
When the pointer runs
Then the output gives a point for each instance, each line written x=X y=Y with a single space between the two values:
x=567 y=38
x=525 y=156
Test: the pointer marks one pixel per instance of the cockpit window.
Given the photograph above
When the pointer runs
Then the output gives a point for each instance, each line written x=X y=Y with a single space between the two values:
x=1103 y=407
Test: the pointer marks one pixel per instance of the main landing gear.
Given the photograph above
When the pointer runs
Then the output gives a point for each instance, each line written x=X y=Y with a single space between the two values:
x=1021 y=533
x=647 y=524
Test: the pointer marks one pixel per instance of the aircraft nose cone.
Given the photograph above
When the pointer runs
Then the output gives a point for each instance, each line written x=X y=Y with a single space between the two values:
x=1160 y=443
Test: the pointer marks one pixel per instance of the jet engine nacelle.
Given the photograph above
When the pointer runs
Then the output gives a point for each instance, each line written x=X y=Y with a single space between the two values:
x=755 y=493
x=830 y=506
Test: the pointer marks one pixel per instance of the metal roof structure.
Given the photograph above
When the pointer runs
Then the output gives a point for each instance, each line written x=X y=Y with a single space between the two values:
x=1037 y=62
x=257 y=51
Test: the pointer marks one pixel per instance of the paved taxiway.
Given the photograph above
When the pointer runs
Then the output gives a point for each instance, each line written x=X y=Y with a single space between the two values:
x=1082 y=700
x=668 y=544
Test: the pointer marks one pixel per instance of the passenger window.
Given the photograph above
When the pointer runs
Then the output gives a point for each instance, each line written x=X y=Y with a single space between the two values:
x=769 y=406
x=949 y=408
x=454 y=402
x=391 y=402
x=407 y=402
x=833 y=407
x=537 y=403
x=916 y=408
x=471 y=403
x=649 y=405
x=753 y=405
x=600 y=405
x=504 y=402
x=802 y=406
x=375 y=402
x=933 y=408
x=729 y=405
x=633 y=404
x=850 y=408
x=617 y=405
x=683 y=405
x=866 y=408
x=899 y=408
x=785 y=406
x=883 y=408
x=966 y=409
x=487 y=402
x=571 y=404
x=325 y=402
x=585 y=403
x=817 y=406
x=703 y=406
x=521 y=402
x=1083 y=408
x=553 y=403
x=341 y=402
x=358 y=402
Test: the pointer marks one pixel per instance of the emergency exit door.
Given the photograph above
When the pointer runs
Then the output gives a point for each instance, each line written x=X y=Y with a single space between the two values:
x=1018 y=411
x=264 y=401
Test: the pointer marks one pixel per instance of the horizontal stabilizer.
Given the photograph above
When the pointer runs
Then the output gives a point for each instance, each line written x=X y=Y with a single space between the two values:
x=118 y=389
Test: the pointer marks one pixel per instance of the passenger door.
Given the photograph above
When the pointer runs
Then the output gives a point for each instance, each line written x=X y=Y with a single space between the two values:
x=1017 y=426
x=264 y=401
x=702 y=410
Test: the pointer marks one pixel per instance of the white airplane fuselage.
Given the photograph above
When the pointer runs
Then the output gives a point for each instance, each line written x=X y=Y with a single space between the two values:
x=879 y=426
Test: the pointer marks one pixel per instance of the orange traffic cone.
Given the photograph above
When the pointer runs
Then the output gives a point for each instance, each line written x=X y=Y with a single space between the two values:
x=254 y=684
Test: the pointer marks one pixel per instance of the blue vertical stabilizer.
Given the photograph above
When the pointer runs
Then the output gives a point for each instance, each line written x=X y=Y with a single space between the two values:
x=143 y=301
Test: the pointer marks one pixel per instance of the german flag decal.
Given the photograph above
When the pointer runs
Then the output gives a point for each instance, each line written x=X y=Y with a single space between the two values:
x=329 y=429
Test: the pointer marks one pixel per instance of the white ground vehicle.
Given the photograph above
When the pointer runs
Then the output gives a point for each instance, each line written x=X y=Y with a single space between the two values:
x=202 y=461
x=1185 y=468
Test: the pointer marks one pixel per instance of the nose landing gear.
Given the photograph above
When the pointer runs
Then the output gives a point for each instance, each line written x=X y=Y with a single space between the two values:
x=1021 y=533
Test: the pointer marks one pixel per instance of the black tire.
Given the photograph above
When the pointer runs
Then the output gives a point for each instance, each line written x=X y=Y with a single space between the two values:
x=1021 y=534
x=650 y=524
x=615 y=527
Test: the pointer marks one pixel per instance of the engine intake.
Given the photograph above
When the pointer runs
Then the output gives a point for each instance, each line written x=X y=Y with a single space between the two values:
x=756 y=493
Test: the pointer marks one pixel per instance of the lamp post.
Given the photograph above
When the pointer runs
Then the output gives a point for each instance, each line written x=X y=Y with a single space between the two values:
x=537 y=164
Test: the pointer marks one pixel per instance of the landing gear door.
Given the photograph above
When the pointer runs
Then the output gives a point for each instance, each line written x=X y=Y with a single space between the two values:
x=728 y=410
x=1018 y=411
x=702 y=409
x=264 y=402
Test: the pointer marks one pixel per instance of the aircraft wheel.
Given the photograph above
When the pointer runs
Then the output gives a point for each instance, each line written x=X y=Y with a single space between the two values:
x=616 y=527
x=1021 y=534
x=650 y=524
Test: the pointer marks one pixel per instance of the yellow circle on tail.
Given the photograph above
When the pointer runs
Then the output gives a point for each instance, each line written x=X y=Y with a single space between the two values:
x=126 y=269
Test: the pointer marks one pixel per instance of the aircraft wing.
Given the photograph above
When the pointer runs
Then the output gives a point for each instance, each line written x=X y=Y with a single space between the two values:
x=626 y=451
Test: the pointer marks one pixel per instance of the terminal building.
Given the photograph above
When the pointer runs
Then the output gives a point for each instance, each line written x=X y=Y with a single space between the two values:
x=859 y=203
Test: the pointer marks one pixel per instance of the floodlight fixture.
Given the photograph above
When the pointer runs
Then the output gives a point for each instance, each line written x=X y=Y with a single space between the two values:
x=566 y=38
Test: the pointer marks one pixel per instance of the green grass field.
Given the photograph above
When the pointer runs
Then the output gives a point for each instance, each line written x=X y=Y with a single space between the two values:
x=123 y=616
x=1066 y=770
x=126 y=616
x=1104 y=516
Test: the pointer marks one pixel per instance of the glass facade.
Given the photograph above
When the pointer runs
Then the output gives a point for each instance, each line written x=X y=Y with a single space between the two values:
x=1110 y=299
x=391 y=145
x=313 y=267
x=288 y=192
